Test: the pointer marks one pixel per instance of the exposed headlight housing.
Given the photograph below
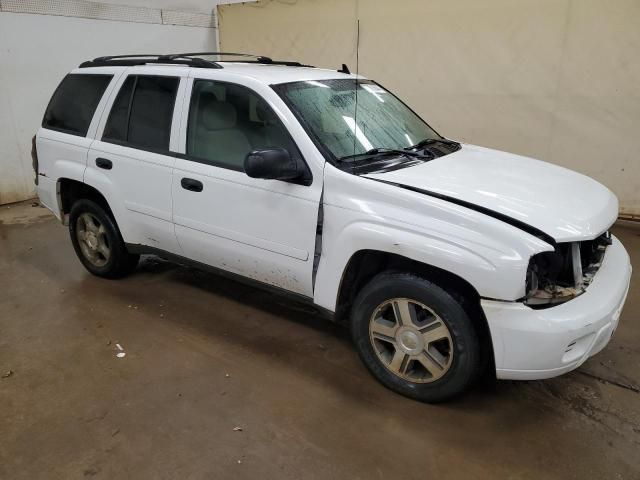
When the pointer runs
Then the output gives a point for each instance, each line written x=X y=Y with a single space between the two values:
x=559 y=276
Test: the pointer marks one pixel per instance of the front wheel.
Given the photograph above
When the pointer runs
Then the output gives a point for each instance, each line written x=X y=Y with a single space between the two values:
x=415 y=337
x=97 y=241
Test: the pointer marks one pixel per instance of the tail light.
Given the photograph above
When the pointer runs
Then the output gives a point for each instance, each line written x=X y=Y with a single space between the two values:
x=34 y=157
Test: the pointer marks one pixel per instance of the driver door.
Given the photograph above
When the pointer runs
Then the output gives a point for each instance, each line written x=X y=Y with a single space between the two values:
x=261 y=229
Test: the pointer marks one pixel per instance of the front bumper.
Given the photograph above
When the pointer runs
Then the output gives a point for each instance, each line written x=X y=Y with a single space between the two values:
x=533 y=344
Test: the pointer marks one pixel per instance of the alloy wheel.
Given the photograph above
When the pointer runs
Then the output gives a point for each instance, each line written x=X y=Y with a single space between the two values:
x=92 y=238
x=411 y=340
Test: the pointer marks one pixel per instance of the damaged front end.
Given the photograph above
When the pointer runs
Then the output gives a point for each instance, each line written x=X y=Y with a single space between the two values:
x=559 y=276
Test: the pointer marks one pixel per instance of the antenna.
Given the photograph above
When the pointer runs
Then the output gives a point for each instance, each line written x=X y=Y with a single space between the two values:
x=355 y=115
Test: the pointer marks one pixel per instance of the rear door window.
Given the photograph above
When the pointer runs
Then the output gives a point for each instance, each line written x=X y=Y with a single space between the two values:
x=74 y=102
x=142 y=112
x=116 y=128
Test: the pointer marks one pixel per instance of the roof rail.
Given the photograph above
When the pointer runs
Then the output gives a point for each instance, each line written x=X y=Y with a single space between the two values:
x=187 y=59
x=145 y=58
x=256 y=58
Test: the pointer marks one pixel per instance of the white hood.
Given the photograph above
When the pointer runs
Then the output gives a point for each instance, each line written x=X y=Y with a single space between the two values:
x=564 y=204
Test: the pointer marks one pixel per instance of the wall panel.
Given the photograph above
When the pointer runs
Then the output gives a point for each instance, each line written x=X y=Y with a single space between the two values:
x=553 y=79
x=37 y=50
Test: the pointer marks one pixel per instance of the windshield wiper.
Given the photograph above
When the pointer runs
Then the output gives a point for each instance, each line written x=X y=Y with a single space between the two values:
x=429 y=141
x=374 y=152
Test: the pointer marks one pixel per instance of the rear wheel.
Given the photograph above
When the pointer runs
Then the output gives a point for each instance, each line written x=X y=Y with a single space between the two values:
x=415 y=337
x=97 y=241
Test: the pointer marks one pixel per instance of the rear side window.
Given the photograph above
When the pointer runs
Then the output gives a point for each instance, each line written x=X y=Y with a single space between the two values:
x=74 y=102
x=142 y=112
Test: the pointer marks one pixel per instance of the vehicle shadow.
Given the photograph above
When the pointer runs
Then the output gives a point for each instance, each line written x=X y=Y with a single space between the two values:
x=269 y=302
x=286 y=311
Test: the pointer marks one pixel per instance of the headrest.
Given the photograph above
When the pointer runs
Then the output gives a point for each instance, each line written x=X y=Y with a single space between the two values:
x=265 y=114
x=207 y=96
x=219 y=115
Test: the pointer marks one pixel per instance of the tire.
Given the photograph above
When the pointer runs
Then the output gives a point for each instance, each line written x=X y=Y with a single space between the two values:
x=433 y=356
x=97 y=241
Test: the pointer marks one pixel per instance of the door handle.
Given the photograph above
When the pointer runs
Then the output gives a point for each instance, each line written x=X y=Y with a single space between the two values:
x=104 y=163
x=191 y=184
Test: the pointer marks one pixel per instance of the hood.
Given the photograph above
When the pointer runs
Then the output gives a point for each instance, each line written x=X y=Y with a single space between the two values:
x=563 y=204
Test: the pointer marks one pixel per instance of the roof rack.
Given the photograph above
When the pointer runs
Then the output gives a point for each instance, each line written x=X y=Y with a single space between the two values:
x=256 y=58
x=145 y=58
x=187 y=59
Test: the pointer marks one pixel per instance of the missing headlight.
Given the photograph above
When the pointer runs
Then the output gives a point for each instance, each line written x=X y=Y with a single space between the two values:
x=559 y=276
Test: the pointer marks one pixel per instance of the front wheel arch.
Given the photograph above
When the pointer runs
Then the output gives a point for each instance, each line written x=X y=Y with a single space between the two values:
x=364 y=265
x=399 y=345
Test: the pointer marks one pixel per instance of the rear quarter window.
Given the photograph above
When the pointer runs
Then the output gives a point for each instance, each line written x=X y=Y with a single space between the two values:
x=74 y=102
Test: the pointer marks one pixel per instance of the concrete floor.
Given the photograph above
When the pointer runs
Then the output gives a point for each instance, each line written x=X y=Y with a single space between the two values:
x=205 y=355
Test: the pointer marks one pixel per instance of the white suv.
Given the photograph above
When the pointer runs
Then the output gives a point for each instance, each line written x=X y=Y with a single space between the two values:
x=443 y=258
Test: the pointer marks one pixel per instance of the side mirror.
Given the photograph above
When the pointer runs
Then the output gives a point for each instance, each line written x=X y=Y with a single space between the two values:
x=273 y=164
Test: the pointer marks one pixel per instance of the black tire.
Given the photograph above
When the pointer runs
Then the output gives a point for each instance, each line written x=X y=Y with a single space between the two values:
x=119 y=262
x=463 y=340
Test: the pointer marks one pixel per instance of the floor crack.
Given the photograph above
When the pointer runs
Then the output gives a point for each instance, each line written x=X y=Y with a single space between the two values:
x=626 y=386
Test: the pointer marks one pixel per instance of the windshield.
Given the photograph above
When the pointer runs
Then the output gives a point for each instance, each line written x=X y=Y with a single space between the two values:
x=328 y=109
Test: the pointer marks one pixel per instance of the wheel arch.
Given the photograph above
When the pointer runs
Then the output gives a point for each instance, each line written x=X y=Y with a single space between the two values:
x=69 y=191
x=365 y=264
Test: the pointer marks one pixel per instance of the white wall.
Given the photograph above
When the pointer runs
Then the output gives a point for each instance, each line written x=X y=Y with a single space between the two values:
x=36 y=51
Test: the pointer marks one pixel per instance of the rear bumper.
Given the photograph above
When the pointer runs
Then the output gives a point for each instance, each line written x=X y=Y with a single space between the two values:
x=534 y=344
x=48 y=194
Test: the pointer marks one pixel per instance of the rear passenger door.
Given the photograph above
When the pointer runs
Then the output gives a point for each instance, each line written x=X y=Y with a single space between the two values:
x=131 y=156
x=68 y=128
x=261 y=229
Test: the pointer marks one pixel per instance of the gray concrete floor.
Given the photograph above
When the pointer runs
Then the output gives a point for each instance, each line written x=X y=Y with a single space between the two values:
x=205 y=355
